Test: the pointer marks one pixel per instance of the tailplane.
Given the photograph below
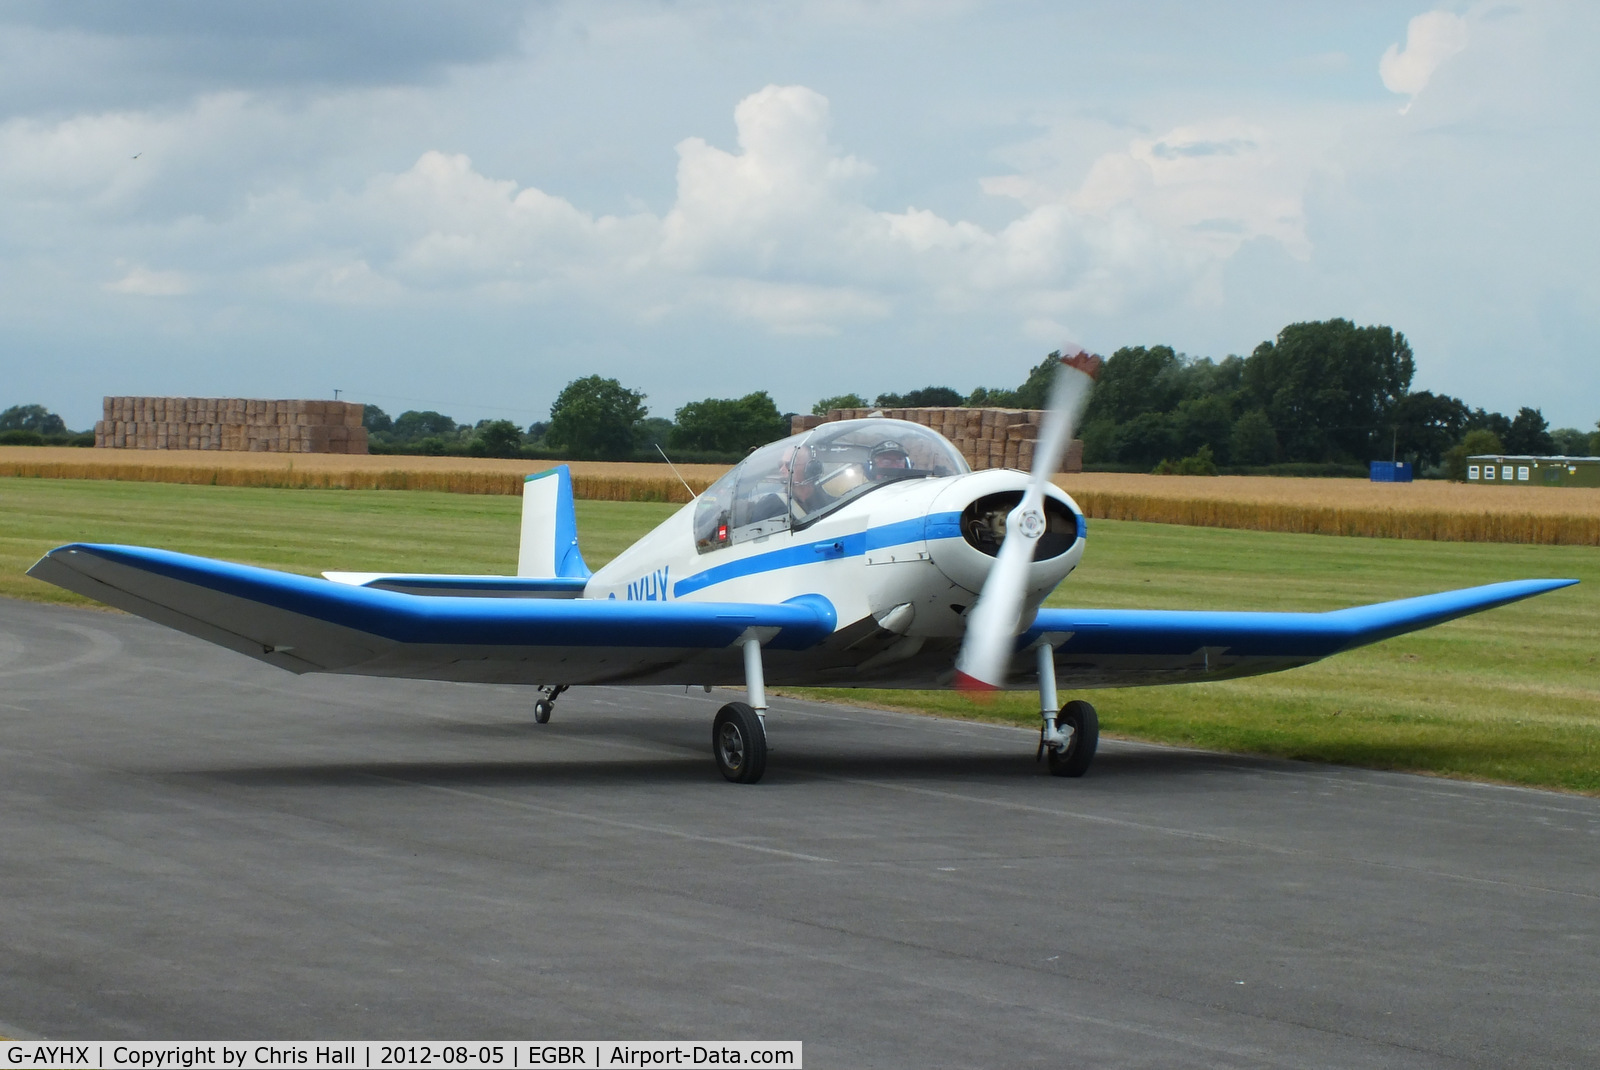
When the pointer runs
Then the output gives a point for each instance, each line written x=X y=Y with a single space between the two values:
x=549 y=564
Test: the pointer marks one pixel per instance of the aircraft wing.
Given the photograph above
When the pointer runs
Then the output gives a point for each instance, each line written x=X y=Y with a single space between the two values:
x=314 y=625
x=1137 y=647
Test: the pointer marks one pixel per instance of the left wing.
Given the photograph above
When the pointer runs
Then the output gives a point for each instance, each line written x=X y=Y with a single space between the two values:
x=313 y=625
x=1135 y=647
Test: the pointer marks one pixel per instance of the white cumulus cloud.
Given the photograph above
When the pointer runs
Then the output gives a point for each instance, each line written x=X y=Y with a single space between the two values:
x=1431 y=39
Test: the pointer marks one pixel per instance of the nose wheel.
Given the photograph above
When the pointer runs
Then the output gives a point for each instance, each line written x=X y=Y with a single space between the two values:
x=1074 y=758
x=739 y=742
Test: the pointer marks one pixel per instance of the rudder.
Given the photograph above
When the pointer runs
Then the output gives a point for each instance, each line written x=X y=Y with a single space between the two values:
x=549 y=527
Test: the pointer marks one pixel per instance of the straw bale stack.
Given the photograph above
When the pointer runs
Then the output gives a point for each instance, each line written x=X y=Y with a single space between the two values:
x=244 y=424
x=987 y=438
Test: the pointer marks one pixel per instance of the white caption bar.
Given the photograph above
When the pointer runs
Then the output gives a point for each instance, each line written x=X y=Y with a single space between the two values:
x=340 y=1055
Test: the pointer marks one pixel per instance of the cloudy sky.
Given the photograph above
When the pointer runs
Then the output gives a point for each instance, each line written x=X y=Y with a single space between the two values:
x=464 y=206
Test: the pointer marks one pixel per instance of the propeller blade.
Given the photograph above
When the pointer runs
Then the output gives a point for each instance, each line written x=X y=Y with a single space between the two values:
x=992 y=623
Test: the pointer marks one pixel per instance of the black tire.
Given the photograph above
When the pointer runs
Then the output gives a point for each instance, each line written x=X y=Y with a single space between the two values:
x=739 y=743
x=542 y=710
x=1075 y=759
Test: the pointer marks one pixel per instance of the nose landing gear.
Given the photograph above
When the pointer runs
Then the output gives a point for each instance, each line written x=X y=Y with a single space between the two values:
x=1070 y=734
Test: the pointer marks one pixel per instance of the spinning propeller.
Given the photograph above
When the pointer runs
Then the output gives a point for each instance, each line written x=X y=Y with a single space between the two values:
x=992 y=624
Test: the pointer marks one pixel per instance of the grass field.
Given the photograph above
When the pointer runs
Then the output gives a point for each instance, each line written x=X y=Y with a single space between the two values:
x=1510 y=695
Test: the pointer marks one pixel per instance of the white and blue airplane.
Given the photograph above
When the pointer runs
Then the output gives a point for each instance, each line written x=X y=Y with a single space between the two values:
x=862 y=553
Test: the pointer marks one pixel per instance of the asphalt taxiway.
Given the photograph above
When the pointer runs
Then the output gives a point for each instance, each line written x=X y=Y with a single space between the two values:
x=198 y=846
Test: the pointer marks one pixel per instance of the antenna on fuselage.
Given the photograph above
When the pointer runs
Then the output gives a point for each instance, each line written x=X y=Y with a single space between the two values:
x=685 y=482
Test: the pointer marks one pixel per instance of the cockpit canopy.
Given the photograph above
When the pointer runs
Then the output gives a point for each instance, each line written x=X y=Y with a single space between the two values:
x=790 y=483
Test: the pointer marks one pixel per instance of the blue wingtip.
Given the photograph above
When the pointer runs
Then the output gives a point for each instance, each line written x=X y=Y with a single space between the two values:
x=1369 y=624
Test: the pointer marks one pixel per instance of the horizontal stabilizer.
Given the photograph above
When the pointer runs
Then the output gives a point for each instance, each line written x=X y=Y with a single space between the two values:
x=465 y=586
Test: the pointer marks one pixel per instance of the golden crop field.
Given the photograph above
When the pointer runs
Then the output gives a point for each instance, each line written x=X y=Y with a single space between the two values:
x=592 y=480
x=1452 y=512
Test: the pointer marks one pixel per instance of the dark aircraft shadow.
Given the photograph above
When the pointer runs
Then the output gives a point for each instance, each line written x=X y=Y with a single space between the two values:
x=423 y=774
x=790 y=766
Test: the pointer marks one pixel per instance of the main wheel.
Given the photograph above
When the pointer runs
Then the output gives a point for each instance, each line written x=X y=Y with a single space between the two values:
x=542 y=710
x=740 y=743
x=1075 y=758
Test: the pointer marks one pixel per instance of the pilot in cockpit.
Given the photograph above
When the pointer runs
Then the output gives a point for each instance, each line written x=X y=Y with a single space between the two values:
x=889 y=461
x=804 y=471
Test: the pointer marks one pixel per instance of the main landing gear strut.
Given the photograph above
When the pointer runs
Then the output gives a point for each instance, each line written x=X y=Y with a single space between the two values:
x=1069 y=735
x=739 y=733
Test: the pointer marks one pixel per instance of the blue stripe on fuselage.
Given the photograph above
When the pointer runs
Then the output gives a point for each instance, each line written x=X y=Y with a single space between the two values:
x=936 y=525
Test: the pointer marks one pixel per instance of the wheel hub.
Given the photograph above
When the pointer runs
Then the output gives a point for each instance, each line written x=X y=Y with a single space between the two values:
x=732 y=744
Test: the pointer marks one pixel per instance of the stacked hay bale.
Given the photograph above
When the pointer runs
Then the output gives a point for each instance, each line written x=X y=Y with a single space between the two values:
x=152 y=423
x=987 y=438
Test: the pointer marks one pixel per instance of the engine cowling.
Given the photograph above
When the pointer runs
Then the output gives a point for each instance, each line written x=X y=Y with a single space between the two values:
x=970 y=523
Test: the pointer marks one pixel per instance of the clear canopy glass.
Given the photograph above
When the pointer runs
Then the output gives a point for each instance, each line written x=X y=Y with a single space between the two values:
x=790 y=483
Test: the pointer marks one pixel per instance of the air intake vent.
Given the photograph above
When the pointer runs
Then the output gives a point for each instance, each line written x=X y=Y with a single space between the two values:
x=983 y=525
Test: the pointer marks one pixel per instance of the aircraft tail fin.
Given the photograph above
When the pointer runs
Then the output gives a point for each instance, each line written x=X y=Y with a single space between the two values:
x=550 y=527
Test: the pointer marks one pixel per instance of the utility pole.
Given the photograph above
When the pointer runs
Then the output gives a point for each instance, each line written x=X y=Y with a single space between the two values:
x=336 y=393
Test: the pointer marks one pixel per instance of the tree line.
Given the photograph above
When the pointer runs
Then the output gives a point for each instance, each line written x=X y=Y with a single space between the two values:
x=1323 y=396
x=593 y=418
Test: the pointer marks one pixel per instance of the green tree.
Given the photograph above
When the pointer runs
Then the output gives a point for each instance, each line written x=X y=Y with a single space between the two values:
x=1570 y=442
x=1479 y=420
x=1329 y=387
x=1204 y=422
x=594 y=417
x=1426 y=425
x=843 y=401
x=1530 y=434
x=376 y=421
x=651 y=432
x=35 y=418
x=412 y=426
x=927 y=397
x=1135 y=381
x=994 y=398
x=729 y=425
x=1253 y=440
x=496 y=438
x=1594 y=440
x=1202 y=463
x=1099 y=441
x=1477 y=443
x=1147 y=439
x=1034 y=393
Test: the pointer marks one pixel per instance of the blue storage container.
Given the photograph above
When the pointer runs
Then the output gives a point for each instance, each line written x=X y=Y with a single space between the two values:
x=1391 y=471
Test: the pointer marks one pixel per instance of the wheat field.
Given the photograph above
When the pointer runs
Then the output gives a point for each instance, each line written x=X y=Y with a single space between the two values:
x=592 y=480
x=1451 y=512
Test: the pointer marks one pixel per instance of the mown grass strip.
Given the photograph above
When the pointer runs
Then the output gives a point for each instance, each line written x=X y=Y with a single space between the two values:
x=1506 y=521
